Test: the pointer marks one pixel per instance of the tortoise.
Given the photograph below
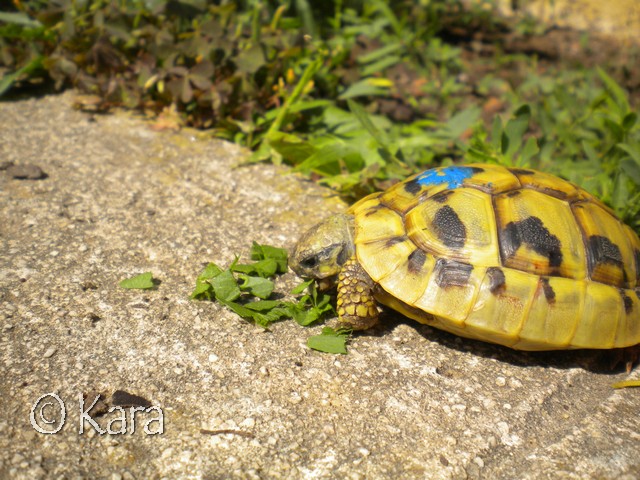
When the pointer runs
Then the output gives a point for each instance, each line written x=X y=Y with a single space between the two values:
x=511 y=256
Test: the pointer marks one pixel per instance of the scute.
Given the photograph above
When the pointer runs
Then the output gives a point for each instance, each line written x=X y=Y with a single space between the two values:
x=628 y=325
x=603 y=308
x=498 y=317
x=610 y=255
x=510 y=256
x=404 y=196
x=538 y=234
x=382 y=257
x=460 y=226
x=634 y=244
x=451 y=290
x=493 y=179
x=547 y=184
x=410 y=279
x=554 y=314
x=378 y=223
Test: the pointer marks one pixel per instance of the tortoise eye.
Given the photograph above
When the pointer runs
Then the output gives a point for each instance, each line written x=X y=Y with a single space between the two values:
x=310 y=262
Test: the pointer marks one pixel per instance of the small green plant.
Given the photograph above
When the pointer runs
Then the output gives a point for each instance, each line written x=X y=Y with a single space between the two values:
x=355 y=95
x=245 y=289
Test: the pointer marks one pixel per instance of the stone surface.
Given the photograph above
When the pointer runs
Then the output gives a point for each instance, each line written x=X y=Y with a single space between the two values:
x=619 y=18
x=407 y=402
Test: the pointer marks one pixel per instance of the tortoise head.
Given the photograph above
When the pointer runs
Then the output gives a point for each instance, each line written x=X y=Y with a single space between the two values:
x=321 y=251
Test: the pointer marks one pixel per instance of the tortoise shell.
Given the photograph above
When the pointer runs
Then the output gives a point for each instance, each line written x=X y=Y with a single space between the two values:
x=511 y=256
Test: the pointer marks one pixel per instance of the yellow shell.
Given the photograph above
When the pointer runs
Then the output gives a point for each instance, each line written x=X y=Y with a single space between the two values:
x=511 y=256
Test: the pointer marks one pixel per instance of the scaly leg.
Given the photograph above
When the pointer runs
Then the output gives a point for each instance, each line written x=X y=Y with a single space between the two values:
x=356 y=306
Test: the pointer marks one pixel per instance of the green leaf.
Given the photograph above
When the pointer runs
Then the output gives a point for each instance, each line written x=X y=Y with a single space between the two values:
x=7 y=81
x=379 y=53
x=265 y=252
x=614 y=90
x=305 y=81
x=263 y=305
x=330 y=341
x=204 y=289
x=276 y=314
x=263 y=153
x=504 y=143
x=328 y=154
x=368 y=125
x=144 y=281
x=515 y=130
x=497 y=133
x=590 y=152
x=614 y=129
x=302 y=287
x=210 y=271
x=263 y=312
x=632 y=169
x=250 y=59
x=462 y=121
x=529 y=150
x=305 y=317
x=633 y=150
x=310 y=307
x=220 y=285
x=264 y=268
x=390 y=16
x=258 y=286
x=381 y=65
x=245 y=312
x=19 y=18
x=225 y=287
x=477 y=156
x=364 y=88
x=299 y=106
x=629 y=120
x=293 y=149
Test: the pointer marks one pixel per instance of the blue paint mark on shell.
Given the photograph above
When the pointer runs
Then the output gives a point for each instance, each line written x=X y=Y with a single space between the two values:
x=452 y=176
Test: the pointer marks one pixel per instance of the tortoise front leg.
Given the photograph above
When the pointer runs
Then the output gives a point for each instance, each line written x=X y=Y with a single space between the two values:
x=356 y=306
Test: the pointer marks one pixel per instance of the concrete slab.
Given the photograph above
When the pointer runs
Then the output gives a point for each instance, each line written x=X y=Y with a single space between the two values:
x=618 y=18
x=407 y=402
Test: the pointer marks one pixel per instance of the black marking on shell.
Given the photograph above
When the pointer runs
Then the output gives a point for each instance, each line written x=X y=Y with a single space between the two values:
x=449 y=228
x=548 y=291
x=497 y=280
x=636 y=254
x=513 y=193
x=412 y=186
x=521 y=171
x=602 y=250
x=442 y=197
x=416 y=260
x=477 y=170
x=374 y=209
x=552 y=192
x=637 y=292
x=390 y=242
x=531 y=232
x=450 y=273
x=628 y=302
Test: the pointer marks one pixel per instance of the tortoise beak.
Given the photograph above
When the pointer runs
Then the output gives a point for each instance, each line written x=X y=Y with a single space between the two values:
x=328 y=283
